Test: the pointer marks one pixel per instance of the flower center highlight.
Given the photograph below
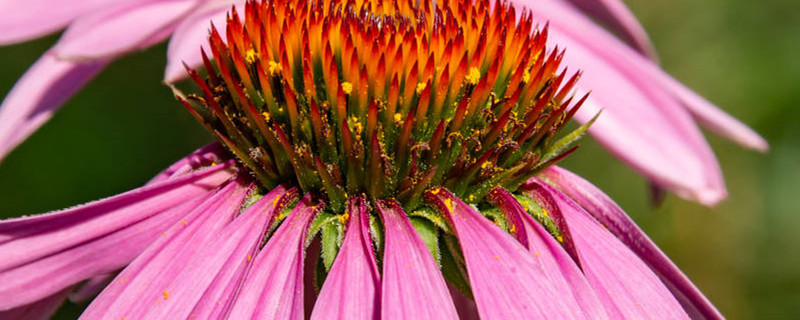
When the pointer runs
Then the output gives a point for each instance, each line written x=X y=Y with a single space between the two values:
x=385 y=98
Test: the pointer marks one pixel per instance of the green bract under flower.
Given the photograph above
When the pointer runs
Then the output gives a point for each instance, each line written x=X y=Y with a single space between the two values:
x=386 y=99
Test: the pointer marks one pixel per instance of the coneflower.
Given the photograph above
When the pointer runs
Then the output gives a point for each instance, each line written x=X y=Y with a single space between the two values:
x=376 y=160
x=629 y=86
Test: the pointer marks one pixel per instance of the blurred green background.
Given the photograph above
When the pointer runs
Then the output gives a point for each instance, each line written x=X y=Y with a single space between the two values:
x=743 y=55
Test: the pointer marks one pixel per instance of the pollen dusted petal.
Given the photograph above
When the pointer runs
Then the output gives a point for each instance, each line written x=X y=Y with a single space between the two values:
x=352 y=288
x=273 y=289
x=110 y=233
x=413 y=286
x=210 y=155
x=556 y=262
x=222 y=262
x=38 y=94
x=141 y=24
x=506 y=279
x=144 y=282
x=626 y=286
x=602 y=208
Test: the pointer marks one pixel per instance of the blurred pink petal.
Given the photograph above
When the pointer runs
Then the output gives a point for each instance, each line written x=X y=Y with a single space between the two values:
x=556 y=262
x=38 y=94
x=619 y=18
x=642 y=123
x=352 y=288
x=142 y=283
x=611 y=216
x=98 y=35
x=110 y=233
x=506 y=279
x=23 y=20
x=192 y=34
x=623 y=282
x=413 y=286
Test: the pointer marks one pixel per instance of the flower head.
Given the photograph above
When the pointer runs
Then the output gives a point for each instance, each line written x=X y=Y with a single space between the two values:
x=381 y=160
x=100 y=31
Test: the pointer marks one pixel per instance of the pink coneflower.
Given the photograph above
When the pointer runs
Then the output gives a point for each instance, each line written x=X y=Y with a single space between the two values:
x=649 y=117
x=380 y=160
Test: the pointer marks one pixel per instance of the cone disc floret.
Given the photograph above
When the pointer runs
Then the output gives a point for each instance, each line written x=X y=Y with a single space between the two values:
x=385 y=98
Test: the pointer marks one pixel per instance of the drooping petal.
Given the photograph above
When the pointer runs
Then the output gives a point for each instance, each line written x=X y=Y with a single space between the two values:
x=556 y=262
x=120 y=29
x=192 y=34
x=617 y=16
x=352 y=289
x=91 y=288
x=39 y=310
x=221 y=262
x=413 y=286
x=274 y=288
x=29 y=19
x=611 y=216
x=143 y=283
x=623 y=282
x=38 y=94
x=606 y=46
x=506 y=280
x=46 y=253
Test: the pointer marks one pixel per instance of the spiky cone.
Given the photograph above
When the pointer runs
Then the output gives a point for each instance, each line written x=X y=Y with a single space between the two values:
x=380 y=161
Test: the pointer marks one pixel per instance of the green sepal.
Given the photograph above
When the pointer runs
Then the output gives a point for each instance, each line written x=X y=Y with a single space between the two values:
x=376 y=231
x=539 y=214
x=319 y=221
x=332 y=237
x=497 y=217
x=430 y=235
x=433 y=216
x=453 y=266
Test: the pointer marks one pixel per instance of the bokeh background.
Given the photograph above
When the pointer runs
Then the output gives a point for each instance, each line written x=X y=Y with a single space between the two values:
x=743 y=55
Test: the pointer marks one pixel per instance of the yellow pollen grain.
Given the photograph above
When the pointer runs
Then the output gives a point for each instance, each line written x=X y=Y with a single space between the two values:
x=560 y=238
x=266 y=115
x=474 y=76
x=249 y=257
x=512 y=229
x=526 y=77
x=274 y=68
x=343 y=218
x=166 y=295
x=544 y=211
x=485 y=164
x=496 y=257
x=398 y=117
x=449 y=204
x=435 y=190
x=250 y=56
x=213 y=164
x=421 y=87
x=184 y=222
x=347 y=87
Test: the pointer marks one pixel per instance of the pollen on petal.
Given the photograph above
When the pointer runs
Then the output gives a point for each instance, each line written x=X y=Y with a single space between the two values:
x=474 y=76
x=347 y=87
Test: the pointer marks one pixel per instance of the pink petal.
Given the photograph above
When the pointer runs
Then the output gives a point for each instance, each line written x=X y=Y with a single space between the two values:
x=617 y=16
x=274 y=287
x=352 y=289
x=121 y=29
x=506 y=279
x=110 y=233
x=29 y=19
x=220 y=263
x=641 y=122
x=91 y=287
x=142 y=284
x=466 y=308
x=556 y=262
x=413 y=286
x=39 y=310
x=622 y=281
x=38 y=94
x=192 y=34
x=611 y=216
